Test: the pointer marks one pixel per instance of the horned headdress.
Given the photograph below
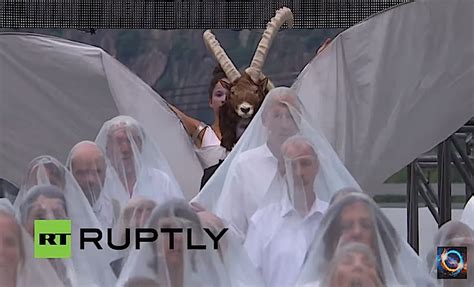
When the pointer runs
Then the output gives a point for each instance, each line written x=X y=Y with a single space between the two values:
x=283 y=15
x=247 y=90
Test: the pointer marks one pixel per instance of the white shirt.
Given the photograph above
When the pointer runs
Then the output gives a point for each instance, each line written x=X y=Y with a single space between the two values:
x=278 y=240
x=248 y=179
x=211 y=150
x=156 y=185
x=210 y=138
x=152 y=183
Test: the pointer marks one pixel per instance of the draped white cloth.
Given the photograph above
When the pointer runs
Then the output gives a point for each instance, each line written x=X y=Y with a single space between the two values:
x=356 y=218
x=248 y=179
x=392 y=87
x=29 y=270
x=135 y=164
x=48 y=181
x=57 y=82
x=181 y=266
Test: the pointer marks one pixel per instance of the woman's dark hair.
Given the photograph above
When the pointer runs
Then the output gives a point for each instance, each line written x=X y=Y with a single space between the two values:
x=381 y=226
x=48 y=191
x=175 y=208
x=57 y=173
x=217 y=75
x=341 y=193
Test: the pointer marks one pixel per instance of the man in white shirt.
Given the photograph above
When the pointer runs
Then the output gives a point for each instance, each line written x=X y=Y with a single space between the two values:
x=87 y=164
x=136 y=167
x=254 y=170
x=280 y=233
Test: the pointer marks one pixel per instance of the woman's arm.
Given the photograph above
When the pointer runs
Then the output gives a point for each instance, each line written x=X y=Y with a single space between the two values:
x=194 y=128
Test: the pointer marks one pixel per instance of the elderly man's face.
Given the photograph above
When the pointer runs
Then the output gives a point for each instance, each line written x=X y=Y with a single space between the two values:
x=355 y=269
x=120 y=147
x=280 y=122
x=89 y=171
x=304 y=163
x=10 y=254
x=44 y=208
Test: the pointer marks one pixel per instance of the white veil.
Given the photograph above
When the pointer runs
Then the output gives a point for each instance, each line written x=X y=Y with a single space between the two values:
x=240 y=184
x=135 y=214
x=405 y=73
x=46 y=177
x=29 y=271
x=356 y=218
x=452 y=234
x=91 y=173
x=135 y=163
x=180 y=266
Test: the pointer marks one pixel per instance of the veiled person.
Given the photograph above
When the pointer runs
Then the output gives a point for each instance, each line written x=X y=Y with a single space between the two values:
x=354 y=264
x=86 y=162
x=232 y=254
x=135 y=166
x=280 y=232
x=169 y=261
x=356 y=218
x=239 y=186
x=452 y=234
x=47 y=201
x=18 y=267
x=135 y=215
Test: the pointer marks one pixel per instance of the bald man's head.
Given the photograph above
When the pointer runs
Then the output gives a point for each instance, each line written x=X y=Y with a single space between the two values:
x=87 y=164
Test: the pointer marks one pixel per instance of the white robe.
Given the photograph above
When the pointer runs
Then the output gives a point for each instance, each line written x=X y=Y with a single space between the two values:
x=247 y=181
x=278 y=240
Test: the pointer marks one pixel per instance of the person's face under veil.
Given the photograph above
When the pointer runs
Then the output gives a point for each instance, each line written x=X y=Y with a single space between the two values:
x=357 y=224
x=353 y=266
x=124 y=144
x=135 y=165
x=18 y=267
x=87 y=164
x=281 y=117
x=455 y=234
x=137 y=212
x=44 y=202
x=300 y=168
x=169 y=260
x=356 y=219
x=50 y=202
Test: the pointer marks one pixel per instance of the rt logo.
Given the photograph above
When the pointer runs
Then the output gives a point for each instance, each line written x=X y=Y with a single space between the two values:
x=52 y=238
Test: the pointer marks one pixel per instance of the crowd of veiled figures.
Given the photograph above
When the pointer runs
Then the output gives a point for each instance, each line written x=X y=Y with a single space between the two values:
x=294 y=214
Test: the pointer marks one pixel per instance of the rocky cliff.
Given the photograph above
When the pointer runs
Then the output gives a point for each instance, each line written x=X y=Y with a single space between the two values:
x=178 y=66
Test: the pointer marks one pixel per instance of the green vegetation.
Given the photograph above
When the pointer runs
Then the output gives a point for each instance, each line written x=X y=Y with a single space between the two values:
x=431 y=174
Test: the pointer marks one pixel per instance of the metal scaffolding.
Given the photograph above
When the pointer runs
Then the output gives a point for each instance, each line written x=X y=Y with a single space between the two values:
x=455 y=154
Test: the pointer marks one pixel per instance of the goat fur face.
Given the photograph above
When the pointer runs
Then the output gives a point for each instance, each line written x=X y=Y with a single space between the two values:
x=246 y=96
x=240 y=107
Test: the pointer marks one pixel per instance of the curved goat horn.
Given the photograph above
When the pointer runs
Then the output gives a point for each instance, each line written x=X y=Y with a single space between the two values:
x=224 y=61
x=282 y=15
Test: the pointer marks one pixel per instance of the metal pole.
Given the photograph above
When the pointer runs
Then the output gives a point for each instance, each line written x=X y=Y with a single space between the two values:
x=469 y=191
x=444 y=183
x=412 y=208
